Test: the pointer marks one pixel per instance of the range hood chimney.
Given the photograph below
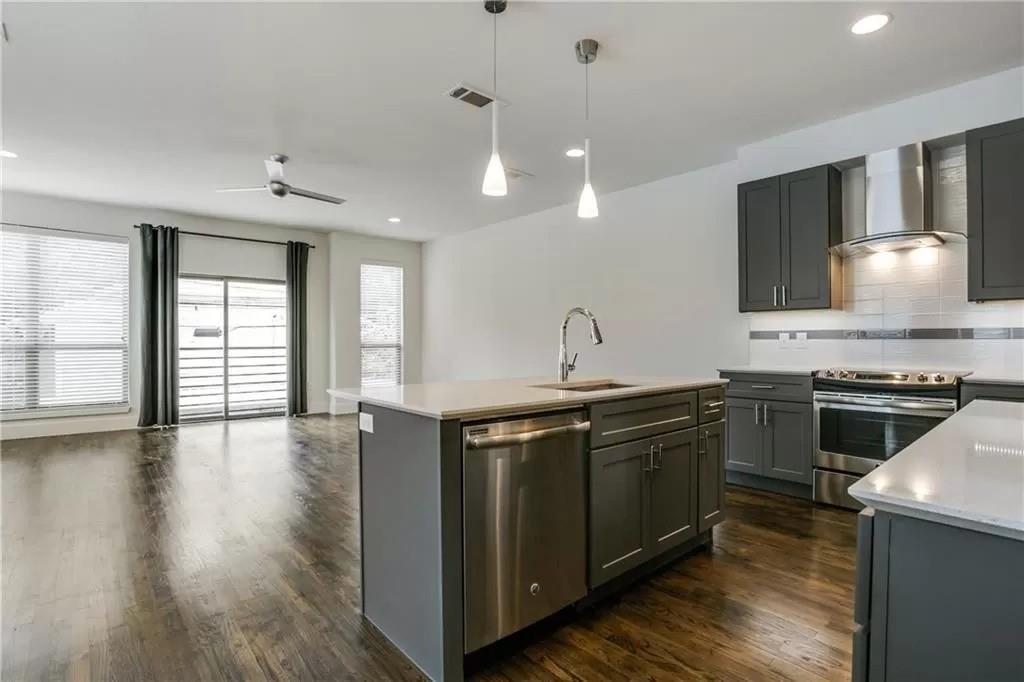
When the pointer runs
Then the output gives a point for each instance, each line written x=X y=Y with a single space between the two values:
x=898 y=186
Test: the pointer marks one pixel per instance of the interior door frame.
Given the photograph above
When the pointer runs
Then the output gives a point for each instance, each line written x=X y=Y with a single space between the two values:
x=225 y=280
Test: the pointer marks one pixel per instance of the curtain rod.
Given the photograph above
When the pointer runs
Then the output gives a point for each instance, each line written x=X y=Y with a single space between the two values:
x=194 y=234
x=240 y=239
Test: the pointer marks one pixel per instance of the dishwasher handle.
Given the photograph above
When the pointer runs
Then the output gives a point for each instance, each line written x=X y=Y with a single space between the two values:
x=484 y=442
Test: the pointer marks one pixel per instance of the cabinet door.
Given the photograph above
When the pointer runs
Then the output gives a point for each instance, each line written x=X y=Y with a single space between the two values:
x=746 y=436
x=673 y=489
x=710 y=476
x=995 y=212
x=619 y=509
x=760 y=265
x=811 y=215
x=788 y=442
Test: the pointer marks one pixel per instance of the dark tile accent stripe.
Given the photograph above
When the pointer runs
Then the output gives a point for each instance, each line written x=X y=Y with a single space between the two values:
x=934 y=333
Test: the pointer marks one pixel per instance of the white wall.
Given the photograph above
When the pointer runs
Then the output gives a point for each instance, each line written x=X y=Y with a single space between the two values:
x=207 y=255
x=348 y=252
x=657 y=268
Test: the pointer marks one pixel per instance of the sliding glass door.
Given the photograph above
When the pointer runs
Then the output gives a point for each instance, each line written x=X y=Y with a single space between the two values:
x=232 y=354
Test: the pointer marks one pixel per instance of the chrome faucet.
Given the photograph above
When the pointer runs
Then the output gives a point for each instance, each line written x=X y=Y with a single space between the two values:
x=564 y=366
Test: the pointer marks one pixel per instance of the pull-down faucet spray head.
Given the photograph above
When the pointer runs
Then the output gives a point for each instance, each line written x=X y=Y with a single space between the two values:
x=564 y=366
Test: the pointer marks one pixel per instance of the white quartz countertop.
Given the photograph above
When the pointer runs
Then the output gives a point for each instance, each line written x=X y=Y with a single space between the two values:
x=967 y=472
x=460 y=399
x=772 y=369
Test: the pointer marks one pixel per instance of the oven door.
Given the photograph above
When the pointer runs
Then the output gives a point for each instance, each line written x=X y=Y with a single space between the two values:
x=856 y=433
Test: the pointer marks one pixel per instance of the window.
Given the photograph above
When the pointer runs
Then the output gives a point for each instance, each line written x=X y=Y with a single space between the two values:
x=63 y=322
x=380 y=324
x=231 y=348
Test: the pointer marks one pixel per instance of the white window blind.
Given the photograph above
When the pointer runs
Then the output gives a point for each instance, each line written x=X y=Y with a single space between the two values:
x=63 y=322
x=380 y=324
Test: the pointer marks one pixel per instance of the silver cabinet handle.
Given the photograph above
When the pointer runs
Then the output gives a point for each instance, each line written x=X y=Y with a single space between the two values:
x=716 y=403
x=702 y=437
x=755 y=413
x=764 y=422
x=649 y=453
x=768 y=387
x=783 y=295
x=481 y=442
x=661 y=447
x=775 y=295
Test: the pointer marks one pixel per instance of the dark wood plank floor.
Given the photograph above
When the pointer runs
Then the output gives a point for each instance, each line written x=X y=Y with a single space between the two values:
x=229 y=551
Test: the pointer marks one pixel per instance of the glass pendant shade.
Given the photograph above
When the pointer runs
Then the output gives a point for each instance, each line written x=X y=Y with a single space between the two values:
x=588 y=200
x=494 y=177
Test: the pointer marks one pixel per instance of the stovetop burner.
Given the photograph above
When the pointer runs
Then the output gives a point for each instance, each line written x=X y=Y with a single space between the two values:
x=908 y=377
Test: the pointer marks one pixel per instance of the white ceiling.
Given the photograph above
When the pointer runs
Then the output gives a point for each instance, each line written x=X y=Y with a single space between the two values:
x=156 y=104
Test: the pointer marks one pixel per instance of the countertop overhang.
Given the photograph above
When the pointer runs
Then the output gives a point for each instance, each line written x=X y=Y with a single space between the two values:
x=966 y=472
x=474 y=399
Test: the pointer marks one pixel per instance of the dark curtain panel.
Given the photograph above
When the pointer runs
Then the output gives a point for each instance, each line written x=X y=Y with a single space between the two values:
x=298 y=258
x=159 y=405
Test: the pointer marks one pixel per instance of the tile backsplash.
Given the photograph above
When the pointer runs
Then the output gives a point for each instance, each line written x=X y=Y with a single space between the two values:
x=900 y=308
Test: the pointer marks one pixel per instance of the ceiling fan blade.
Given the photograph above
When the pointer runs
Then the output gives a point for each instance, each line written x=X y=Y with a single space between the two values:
x=315 y=195
x=261 y=188
x=275 y=170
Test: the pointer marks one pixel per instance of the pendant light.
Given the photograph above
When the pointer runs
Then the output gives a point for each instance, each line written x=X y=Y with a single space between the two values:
x=586 y=53
x=494 y=177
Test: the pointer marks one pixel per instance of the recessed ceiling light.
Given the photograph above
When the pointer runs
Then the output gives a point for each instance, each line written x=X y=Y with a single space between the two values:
x=870 y=24
x=574 y=152
x=394 y=219
x=8 y=155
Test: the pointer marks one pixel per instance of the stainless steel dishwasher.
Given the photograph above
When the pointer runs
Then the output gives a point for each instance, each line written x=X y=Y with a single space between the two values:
x=524 y=522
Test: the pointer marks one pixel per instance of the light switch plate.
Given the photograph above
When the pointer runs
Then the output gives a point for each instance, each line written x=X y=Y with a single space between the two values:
x=366 y=422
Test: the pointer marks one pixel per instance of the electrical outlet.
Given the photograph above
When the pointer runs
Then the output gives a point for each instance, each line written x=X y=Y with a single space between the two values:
x=783 y=339
x=366 y=422
x=801 y=340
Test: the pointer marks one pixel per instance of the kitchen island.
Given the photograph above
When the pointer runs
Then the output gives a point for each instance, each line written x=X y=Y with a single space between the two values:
x=940 y=553
x=486 y=506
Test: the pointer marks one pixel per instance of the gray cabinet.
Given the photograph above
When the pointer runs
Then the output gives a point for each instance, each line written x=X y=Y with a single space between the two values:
x=771 y=439
x=710 y=475
x=995 y=206
x=786 y=225
x=746 y=436
x=760 y=236
x=645 y=500
x=811 y=218
x=788 y=441
x=673 y=489
x=619 y=509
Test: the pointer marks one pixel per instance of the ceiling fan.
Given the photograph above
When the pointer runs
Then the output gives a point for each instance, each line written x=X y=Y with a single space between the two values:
x=278 y=187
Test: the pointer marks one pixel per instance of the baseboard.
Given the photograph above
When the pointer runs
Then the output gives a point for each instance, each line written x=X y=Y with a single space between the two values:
x=772 y=485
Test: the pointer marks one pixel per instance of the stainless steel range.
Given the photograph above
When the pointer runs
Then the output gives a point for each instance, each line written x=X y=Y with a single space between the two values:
x=864 y=417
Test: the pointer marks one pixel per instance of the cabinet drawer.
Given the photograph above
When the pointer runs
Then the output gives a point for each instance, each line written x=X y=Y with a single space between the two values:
x=625 y=420
x=712 y=404
x=768 y=386
x=1012 y=393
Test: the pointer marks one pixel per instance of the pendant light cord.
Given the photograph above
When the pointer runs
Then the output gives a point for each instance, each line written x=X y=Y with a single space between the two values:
x=494 y=60
x=586 y=80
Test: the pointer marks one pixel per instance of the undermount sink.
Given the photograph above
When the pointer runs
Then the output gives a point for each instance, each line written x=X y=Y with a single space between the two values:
x=584 y=386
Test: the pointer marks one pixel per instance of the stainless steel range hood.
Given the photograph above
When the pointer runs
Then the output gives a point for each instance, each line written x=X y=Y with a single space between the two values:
x=898 y=188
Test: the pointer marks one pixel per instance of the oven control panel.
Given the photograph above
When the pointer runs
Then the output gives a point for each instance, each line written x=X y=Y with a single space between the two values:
x=911 y=378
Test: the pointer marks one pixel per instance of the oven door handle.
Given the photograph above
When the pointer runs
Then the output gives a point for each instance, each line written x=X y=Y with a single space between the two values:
x=944 y=406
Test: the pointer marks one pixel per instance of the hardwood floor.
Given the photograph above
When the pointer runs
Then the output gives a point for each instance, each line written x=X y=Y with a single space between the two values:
x=229 y=551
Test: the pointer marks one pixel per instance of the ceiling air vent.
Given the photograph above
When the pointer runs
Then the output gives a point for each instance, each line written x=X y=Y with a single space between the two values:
x=470 y=95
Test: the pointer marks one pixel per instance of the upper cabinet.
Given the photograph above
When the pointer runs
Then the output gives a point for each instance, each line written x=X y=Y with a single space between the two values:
x=786 y=225
x=995 y=211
